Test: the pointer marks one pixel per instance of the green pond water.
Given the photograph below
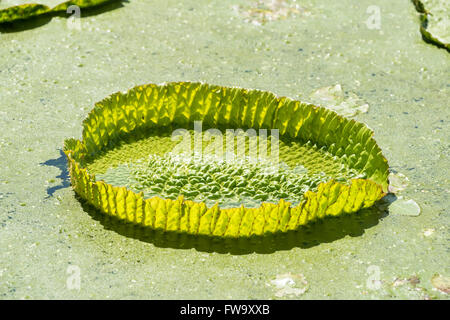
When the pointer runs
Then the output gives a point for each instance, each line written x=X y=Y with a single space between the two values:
x=51 y=74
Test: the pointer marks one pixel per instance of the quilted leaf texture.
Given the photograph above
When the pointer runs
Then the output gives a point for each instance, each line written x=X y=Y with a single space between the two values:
x=181 y=103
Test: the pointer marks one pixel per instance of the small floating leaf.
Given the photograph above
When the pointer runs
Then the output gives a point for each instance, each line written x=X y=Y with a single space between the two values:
x=405 y=207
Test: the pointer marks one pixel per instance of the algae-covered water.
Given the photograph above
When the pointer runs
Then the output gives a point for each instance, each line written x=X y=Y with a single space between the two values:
x=52 y=73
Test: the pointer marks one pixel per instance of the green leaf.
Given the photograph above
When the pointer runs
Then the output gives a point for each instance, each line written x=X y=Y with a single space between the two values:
x=22 y=12
x=27 y=11
x=124 y=117
x=435 y=21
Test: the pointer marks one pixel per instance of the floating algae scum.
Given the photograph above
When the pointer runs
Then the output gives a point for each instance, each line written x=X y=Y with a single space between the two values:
x=51 y=76
x=342 y=169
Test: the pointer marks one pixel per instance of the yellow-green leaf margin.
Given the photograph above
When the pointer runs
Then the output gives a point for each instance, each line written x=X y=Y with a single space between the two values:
x=181 y=103
x=27 y=11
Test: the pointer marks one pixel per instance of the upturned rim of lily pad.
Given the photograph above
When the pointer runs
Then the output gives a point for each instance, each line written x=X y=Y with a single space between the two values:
x=424 y=29
x=32 y=10
x=181 y=103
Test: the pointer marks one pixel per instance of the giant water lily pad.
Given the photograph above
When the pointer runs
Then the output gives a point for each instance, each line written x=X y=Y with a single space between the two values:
x=22 y=10
x=435 y=21
x=298 y=162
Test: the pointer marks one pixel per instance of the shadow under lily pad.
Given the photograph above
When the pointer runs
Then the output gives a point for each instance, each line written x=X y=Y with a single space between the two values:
x=61 y=164
x=328 y=230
